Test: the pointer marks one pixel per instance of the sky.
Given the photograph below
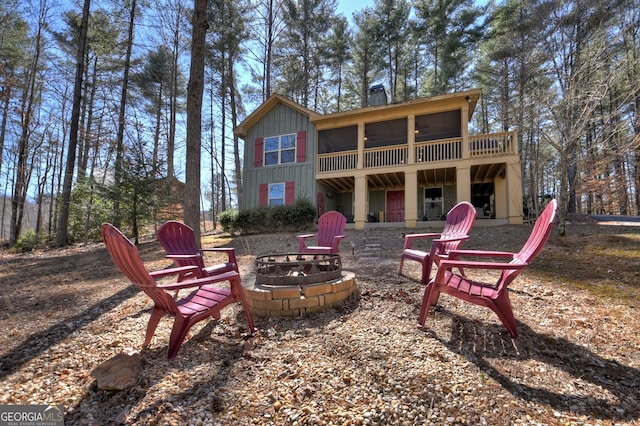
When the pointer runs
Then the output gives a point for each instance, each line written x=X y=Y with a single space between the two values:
x=347 y=7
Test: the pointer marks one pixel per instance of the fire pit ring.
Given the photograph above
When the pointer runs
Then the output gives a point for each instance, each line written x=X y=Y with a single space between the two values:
x=295 y=284
x=297 y=269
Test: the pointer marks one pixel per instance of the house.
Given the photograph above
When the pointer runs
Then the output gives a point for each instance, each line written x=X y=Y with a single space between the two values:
x=406 y=163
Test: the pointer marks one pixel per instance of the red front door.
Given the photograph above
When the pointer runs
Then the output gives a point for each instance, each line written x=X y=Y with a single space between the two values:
x=395 y=206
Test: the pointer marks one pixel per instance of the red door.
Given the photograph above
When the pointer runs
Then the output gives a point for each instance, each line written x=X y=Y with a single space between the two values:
x=395 y=206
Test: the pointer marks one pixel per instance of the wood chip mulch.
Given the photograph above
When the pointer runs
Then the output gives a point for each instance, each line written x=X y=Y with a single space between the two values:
x=575 y=362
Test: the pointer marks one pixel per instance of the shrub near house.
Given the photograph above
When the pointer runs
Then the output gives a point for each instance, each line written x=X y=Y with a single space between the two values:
x=300 y=215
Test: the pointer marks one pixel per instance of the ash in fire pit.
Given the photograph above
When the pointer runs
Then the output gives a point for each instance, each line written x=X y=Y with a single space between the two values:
x=296 y=284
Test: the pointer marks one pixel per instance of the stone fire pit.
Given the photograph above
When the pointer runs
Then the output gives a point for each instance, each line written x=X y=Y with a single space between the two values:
x=294 y=284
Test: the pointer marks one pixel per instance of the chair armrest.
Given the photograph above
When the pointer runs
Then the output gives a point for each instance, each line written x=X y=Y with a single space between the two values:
x=408 y=239
x=173 y=271
x=181 y=256
x=449 y=238
x=336 y=242
x=456 y=254
x=472 y=264
x=307 y=236
x=231 y=252
x=199 y=282
x=302 y=241
x=223 y=249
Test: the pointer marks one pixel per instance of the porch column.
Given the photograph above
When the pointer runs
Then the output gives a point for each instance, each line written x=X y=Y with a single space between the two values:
x=361 y=134
x=410 y=199
x=514 y=194
x=466 y=153
x=501 y=195
x=360 y=213
x=463 y=184
x=411 y=139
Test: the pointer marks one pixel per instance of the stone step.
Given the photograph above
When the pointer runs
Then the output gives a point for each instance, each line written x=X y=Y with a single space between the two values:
x=371 y=250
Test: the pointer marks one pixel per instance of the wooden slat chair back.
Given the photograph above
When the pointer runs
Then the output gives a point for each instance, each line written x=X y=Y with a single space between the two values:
x=330 y=232
x=204 y=301
x=459 y=222
x=179 y=243
x=493 y=295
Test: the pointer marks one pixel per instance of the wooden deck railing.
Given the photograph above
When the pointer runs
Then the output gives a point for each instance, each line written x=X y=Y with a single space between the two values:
x=338 y=161
x=440 y=150
x=385 y=157
x=492 y=144
x=486 y=145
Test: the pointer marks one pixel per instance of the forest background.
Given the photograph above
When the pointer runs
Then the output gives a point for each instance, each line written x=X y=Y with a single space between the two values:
x=94 y=96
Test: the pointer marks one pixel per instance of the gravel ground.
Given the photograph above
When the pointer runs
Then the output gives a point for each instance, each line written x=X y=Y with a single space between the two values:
x=576 y=361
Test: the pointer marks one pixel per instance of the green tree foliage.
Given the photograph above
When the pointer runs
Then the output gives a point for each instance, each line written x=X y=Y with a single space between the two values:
x=451 y=31
x=14 y=42
x=338 y=52
x=91 y=205
x=155 y=83
x=391 y=28
x=367 y=60
x=225 y=55
x=300 y=54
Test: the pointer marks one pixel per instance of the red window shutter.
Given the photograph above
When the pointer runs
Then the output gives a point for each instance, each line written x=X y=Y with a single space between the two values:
x=259 y=149
x=301 y=147
x=289 y=193
x=264 y=194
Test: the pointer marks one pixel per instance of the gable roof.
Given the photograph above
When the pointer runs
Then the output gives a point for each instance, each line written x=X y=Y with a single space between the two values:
x=268 y=105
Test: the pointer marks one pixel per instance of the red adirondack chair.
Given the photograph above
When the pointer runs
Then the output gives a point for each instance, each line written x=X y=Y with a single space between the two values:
x=330 y=232
x=459 y=221
x=179 y=243
x=492 y=295
x=206 y=300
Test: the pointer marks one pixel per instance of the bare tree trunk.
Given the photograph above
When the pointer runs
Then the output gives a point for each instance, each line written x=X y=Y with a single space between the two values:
x=156 y=135
x=83 y=161
x=173 y=102
x=62 y=236
x=194 y=118
x=43 y=176
x=269 y=52
x=3 y=130
x=5 y=114
x=234 y=122
x=56 y=182
x=23 y=171
x=119 y=166
x=223 y=133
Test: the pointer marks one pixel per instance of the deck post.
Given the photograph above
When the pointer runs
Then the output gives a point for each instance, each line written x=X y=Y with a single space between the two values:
x=463 y=183
x=360 y=208
x=410 y=199
x=411 y=139
x=514 y=193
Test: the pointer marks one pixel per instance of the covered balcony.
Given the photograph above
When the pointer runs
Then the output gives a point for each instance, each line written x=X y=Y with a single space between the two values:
x=438 y=151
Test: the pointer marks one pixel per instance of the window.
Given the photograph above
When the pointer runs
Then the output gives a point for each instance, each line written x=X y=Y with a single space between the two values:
x=276 y=194
x=280 y=150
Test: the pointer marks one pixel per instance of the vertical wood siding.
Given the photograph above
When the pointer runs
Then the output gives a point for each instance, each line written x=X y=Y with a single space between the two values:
x=280 y=120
